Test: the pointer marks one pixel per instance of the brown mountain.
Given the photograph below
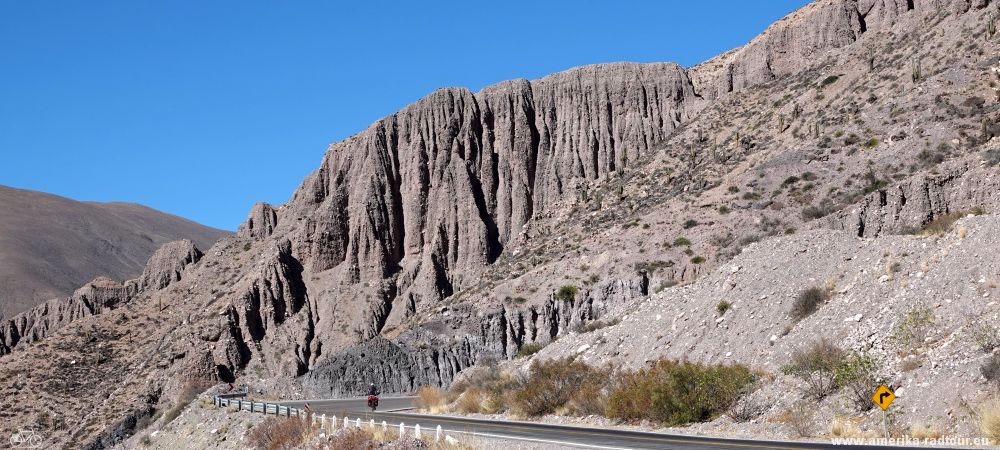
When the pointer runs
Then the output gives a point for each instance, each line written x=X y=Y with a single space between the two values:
x=51 y=245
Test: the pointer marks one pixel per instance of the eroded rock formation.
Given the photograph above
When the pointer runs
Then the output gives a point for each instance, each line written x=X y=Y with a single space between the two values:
x=165 y=266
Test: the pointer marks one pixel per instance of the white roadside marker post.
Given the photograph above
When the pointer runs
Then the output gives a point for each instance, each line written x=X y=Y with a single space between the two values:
x=346 y=422
x=371 y=424
x=437 y=434
x=416 y=431
x=358 y=423
x=402 y=430
x=385 y=427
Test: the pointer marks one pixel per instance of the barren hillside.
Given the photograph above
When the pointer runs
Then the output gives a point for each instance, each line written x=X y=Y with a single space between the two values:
x=51 y=245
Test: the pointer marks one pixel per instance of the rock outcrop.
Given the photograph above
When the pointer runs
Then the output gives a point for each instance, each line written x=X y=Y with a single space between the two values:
x=260 y=223
x=165 y=266
x=915 y=202
x=427 y=197
x=270 y=297
x=803 y=39
x=428 y=357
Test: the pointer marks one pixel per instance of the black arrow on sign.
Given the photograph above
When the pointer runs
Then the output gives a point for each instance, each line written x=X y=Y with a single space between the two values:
x=882 y=396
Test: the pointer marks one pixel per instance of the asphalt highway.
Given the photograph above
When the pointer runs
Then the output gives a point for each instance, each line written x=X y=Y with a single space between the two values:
x=391 y=410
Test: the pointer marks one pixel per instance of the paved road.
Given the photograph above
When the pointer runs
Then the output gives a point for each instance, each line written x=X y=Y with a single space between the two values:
x=390 y=410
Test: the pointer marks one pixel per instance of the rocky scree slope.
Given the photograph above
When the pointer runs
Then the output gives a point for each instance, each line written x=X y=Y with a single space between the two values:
x=876 y=285
x=51 y=245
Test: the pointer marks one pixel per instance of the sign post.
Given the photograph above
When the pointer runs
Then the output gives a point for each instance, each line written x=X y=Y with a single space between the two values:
x=883 y=397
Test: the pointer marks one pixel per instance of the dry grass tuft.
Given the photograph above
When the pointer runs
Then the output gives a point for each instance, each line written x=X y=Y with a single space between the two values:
x=989 y=420
x=923 y=431
x=470 y=402
x=429 y=398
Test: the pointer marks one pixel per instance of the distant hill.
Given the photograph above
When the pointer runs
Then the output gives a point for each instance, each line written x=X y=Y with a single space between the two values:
x=51 y=245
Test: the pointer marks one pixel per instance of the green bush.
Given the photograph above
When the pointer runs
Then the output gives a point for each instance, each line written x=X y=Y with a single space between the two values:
x=690 y=223
x=566 y=293
x=913 y=328
x=697 y=260
x=817 y=365
x=723 y=306
x=986 y=336
x=829 y=80
x=808 y=302
x=858 y=374
x=681 y=241
x=676 y=393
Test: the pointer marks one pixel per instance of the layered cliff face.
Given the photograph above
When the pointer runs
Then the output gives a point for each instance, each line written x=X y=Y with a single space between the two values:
x=410 y=211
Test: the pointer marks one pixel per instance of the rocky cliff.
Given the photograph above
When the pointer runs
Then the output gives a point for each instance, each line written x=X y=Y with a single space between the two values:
x=418 y=207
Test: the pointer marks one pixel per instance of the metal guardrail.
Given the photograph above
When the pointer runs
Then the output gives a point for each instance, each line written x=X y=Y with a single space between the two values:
x=227 y=400
x=331 y=423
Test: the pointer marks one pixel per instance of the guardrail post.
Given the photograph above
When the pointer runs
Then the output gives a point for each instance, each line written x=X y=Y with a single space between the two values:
x=416 y=431
x=402 y=430
x=288 y=412
x=346 y=424
x=358 y=424
x=437 y=434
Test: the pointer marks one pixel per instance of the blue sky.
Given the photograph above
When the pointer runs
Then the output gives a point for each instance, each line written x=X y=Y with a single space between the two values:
x=202 y=108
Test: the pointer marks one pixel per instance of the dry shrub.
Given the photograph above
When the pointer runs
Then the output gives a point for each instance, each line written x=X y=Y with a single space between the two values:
x=942 y=224
x=589 y=400
x=495 y=385
x=676 y=393
x=985 y=336
x=280 y=434
x=747 y=407
x=817 y=365
x=799 y=418
x=989 y=420
x=353 y=439
x=429 y=397
x=808 y=302
x=470 y=402
x=991 y=369
x=552 y=384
